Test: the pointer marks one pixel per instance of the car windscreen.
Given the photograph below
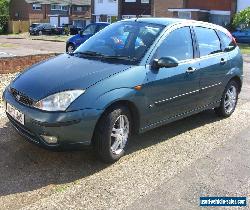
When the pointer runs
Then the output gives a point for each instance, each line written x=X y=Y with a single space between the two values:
x=34 y=25
x=126 y=40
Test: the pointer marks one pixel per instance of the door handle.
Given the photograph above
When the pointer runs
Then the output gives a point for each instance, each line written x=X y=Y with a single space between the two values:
x=191 y=70
x=223 y=61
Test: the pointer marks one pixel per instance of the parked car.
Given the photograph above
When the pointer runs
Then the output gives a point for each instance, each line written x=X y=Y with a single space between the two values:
x=72 y=29
x=102 y=94
x=83 y=35
x=45 y=29
x=242 y=35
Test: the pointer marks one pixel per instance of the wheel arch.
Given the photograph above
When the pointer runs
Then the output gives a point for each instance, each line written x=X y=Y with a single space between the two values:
x=238 y=81
x=132 y=109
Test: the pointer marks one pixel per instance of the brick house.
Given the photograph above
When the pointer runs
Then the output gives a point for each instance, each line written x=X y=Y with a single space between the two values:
x=215 y=11
x=57 y=12
x=160 y=8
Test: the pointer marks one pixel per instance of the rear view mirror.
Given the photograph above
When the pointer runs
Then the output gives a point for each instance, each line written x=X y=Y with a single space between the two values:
x=129 y=29
x=165 y=62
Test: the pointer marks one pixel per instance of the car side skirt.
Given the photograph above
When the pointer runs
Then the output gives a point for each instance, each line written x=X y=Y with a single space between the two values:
x=180 y=116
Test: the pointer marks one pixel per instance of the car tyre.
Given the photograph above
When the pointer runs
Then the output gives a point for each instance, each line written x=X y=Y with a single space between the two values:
x=40 y=33
x=229 y=100
x=70 y=48
x=112 y=134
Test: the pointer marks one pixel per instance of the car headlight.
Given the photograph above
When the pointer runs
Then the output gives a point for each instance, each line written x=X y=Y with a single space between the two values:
x=59 y=101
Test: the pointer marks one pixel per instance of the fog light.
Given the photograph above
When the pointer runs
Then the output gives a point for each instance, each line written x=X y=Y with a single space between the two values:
x=50 y=139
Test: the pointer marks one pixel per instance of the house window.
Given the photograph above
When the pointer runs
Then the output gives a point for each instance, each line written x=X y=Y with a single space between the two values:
x=36 y=6
x=184 y=15
x=78 y=9
x=145 y=1
x=130 y=0
x=59 y=7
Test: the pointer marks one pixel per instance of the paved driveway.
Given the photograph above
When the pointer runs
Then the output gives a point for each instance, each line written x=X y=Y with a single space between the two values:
x=167 y=168
x=19 y=47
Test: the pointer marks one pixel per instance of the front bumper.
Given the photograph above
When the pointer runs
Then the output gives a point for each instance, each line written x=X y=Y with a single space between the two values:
x=71 y=128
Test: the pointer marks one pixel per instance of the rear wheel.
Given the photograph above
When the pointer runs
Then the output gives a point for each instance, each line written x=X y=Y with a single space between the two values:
x=229 y=100
x=40 y=33
x=112 y=134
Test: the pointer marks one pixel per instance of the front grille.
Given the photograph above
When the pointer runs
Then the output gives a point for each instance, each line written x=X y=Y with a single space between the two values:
x=21 y=97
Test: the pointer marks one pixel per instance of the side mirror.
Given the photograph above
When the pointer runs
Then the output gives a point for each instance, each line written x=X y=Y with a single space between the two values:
x=229 y=48
x=165 y=62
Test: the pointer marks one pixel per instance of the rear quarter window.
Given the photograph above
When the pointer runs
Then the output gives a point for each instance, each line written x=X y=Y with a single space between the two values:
x=228 y=44
x=208 y=41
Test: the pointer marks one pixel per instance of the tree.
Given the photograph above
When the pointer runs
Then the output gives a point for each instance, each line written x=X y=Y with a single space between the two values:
x=4 y=7
x=242 y=18
x=4 y=15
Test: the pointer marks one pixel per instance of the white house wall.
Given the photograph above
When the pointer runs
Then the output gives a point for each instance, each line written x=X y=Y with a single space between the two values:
x=106 y=8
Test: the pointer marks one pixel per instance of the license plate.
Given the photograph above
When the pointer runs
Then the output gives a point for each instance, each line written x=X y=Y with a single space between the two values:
x=16 y=114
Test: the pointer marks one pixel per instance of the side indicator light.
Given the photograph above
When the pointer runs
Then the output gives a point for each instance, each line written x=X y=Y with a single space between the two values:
x=138 y=87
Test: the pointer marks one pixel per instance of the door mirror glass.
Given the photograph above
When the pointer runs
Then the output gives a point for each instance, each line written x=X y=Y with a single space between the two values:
x=165 y=62
x=229 y=48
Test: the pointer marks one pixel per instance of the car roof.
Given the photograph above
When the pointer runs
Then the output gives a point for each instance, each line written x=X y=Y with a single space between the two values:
x=172 y=21
x=161 y=21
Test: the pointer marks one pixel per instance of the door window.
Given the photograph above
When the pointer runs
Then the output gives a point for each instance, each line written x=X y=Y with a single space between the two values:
x=89 y=30
x=208 y=41
x=101 y=27
x=178 y=44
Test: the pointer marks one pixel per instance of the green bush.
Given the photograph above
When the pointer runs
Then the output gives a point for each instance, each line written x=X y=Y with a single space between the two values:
x=4 y=15
x=3 y=24
x=242 y=19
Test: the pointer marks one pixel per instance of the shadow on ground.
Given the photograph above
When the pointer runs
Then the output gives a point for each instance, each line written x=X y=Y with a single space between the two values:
x=26 y=167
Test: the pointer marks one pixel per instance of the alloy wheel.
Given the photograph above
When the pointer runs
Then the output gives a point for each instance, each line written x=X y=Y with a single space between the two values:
x=230 y=99
x=119 y=134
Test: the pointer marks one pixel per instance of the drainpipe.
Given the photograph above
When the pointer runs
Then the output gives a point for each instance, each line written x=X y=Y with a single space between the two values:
x=153 y=7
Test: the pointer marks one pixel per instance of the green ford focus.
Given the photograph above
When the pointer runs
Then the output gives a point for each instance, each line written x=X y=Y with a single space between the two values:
x=131 y=77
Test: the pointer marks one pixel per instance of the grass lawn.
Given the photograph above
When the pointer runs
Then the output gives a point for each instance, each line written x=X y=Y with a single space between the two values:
x=245 y=48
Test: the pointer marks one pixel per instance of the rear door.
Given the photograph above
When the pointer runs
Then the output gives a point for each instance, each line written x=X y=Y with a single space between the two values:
x=214 y=64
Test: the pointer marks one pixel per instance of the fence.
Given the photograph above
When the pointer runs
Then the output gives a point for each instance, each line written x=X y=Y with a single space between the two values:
x=18 y=26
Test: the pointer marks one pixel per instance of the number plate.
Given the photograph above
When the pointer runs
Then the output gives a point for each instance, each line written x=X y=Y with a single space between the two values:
x=16 y=114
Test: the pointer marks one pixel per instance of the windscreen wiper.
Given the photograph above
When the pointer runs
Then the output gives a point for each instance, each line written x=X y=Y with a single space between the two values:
x=89 y=53
x=119 y=58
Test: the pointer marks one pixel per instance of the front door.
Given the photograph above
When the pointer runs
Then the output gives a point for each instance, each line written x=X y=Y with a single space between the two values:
x=173 y=91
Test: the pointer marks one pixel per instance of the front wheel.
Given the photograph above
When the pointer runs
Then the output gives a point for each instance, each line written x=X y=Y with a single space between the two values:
x=112 y=134
x=229 y=100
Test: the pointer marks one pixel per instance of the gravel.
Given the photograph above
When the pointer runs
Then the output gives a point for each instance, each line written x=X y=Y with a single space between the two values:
x=5 y=80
